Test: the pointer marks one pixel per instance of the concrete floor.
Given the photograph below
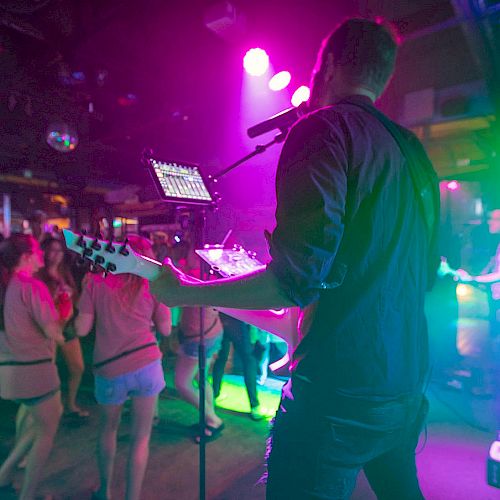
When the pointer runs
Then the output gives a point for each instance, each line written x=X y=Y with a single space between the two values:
x=451 y=464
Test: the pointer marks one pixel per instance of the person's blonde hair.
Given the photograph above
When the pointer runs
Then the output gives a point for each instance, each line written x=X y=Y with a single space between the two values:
x=132 y=284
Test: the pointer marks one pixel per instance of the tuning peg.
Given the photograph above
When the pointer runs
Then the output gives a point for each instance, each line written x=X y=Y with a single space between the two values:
x=123 y=249
x=81 y=241
x=99 y=260
x=87 y=252
x=109 y=247
x=96 y=245
x=110 y=268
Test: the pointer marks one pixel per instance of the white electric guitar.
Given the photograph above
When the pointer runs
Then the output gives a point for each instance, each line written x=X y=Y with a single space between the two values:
x=119 y=258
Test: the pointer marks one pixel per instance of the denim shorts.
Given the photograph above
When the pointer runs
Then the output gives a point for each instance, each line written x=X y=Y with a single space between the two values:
x=147 y=381
x=190 y=346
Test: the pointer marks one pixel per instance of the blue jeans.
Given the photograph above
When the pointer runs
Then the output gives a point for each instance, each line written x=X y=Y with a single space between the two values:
x=318 y=455
x=237 y=333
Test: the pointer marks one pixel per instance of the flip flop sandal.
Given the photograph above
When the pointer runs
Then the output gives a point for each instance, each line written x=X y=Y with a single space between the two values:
x=77 y=414
x=215 y=433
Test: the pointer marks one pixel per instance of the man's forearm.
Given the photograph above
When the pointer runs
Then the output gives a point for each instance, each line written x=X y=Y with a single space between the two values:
x=259 y=290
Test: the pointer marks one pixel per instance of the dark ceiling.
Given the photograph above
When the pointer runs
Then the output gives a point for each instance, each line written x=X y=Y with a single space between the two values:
x=131 y=74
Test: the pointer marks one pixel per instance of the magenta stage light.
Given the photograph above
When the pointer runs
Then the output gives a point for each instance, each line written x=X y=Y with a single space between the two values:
x=452 y=185
x=256 y=62
x=301 y=95
x=280 y=81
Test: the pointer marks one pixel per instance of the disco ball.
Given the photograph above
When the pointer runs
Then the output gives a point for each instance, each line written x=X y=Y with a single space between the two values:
x=62 y=137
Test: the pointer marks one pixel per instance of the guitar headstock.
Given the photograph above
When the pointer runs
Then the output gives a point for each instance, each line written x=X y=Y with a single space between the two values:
x=110 y=257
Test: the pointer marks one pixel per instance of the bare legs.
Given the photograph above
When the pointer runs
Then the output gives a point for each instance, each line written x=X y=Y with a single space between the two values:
x=142 y=419
x=186 y=371
x=37 y=426
x=72 y=353
x=25 y=435
x=106 y=447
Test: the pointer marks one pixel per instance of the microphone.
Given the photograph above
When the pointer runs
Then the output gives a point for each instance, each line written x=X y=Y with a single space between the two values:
x=282 y=121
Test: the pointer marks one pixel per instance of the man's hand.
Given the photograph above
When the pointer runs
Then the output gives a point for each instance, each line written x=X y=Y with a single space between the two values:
x=166 y=288
x=463 y=276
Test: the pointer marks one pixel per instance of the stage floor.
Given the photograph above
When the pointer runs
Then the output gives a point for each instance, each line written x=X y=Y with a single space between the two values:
x=451 y=464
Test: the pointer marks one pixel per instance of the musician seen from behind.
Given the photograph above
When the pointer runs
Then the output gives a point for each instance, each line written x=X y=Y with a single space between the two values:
x=490 y=359
x=353 y=247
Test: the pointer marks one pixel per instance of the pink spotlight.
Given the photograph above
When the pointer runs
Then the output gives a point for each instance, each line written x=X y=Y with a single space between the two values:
x=301 y=95
x=452 y=185
x=280 y=81
x=256 y=62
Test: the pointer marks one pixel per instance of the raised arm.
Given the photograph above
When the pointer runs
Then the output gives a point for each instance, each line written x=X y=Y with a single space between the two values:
x=258 y=290
x=487 y=278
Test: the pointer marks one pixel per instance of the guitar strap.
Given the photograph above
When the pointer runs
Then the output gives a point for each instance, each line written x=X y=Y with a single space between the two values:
x=426 y=188
x=424 y=180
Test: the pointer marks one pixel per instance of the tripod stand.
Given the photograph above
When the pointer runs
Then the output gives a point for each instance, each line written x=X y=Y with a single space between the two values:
x=166 y=191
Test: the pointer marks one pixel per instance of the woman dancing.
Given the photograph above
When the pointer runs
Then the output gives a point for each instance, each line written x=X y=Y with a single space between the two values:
x=59 y=280
x=28 y=374
x=127 y=363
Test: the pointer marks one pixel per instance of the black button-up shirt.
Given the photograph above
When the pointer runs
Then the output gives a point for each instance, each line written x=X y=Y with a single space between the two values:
x=350 y=238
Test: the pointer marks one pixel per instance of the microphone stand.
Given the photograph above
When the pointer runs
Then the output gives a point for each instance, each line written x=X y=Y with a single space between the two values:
x=202 y=358
x=260 y=148
x=202 y=361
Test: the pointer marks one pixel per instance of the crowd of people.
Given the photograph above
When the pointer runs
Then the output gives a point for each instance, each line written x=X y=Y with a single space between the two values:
x=48 y=305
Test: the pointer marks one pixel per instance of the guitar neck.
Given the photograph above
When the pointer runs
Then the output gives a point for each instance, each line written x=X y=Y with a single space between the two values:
x=282 y=323
x=146 y=268
x=119 y=258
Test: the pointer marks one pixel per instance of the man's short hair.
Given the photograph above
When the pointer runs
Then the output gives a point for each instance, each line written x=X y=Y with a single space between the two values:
x=365 y=50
